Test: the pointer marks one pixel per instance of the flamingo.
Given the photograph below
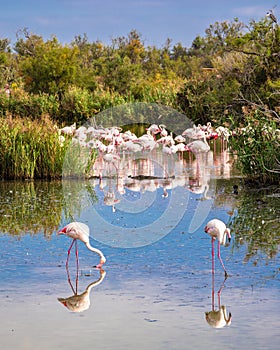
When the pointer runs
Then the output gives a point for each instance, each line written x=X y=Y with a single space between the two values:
x=199 y=146
x=68 y=130
x=194 y=133
x=217 y=230
x=218 y=318
x=79 y=230
x=81 y=302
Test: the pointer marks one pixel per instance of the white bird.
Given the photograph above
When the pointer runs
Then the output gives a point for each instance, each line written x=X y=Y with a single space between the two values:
x=80 y=231
x=68 y=130
x=194 y=133
x=218 y=230
x=199 y=146
x=131 y=146
x=180 y=139
x=271 y=15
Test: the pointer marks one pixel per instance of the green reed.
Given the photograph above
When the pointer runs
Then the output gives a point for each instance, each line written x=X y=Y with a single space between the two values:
x=257 y=145
x=30 y=149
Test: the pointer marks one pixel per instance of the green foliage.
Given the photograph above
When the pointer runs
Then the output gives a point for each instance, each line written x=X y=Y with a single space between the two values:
x=30 y=149
x=257 y=223
x=232 y=66
x=257 y=145
x=51 y=69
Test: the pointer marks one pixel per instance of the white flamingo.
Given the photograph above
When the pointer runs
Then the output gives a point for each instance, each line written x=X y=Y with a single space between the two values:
x=199 y=146
x=80 y=231
x=68 y=130
x=218 y=230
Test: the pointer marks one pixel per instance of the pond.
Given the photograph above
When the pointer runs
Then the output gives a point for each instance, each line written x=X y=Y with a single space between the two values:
x=157 y=285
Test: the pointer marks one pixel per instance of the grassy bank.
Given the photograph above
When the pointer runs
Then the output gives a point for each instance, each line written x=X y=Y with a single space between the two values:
x=30 y=149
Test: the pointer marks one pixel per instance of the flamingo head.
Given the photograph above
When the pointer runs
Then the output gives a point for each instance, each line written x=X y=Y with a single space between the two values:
x=62 y=231
x=227 y=232
x=102 y=261
x=228 y=321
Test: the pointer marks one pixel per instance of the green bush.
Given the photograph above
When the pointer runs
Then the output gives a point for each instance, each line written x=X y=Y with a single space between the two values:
x=257 y=145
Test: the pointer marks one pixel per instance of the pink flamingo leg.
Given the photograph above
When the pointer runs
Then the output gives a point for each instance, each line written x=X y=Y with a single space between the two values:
x=219 y=256
x=69 y=281
x=219 y=294
x=68 y=255
x=77 y=254
x=213 y=274
x=77 y=261
x=213 y=256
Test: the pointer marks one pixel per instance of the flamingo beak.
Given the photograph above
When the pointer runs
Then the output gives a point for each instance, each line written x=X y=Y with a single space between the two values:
x=62 y=231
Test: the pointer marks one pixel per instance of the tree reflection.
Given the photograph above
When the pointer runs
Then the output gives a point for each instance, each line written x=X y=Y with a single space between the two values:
x=37 y=206
x=257 y=224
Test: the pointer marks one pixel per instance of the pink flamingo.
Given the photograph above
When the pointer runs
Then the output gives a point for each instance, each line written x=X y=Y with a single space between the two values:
x=218 y=230
x=79 y=230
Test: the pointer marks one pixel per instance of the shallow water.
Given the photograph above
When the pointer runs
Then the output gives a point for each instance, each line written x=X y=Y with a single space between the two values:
x=157 y=282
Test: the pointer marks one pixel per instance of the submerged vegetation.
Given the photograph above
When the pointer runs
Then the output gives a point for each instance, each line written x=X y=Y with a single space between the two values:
x=228 y=77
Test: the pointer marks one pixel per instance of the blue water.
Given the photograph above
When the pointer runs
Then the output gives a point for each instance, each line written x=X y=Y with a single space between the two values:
x=155 y=294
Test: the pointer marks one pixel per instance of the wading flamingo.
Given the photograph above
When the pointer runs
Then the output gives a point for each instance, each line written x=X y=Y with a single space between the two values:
x=199 y=146
x=79 y=230
x=218 y=230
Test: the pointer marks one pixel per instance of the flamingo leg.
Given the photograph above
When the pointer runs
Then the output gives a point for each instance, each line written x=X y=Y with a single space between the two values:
x=219 y=256
x=69 y=280
x=213 y=274
x=77 y=261
x=68 y=254
x=220 y=292
x=77 y=254
x=213 y=256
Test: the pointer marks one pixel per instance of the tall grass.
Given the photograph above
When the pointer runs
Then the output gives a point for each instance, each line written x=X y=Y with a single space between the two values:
x=257 y=145
x=30 y=149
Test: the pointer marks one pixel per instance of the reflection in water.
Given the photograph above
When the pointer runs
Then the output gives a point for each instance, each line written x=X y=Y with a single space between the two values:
x=218 y=318
x=30 y=206
x=149 y=171
x=39 y=206
x=80 y=302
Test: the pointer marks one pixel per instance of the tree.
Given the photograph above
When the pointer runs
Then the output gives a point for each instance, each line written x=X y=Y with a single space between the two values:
x=51 y=68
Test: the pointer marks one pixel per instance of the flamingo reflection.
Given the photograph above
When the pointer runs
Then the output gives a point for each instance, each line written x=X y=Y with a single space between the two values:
x=218 y=318
x=80 y=302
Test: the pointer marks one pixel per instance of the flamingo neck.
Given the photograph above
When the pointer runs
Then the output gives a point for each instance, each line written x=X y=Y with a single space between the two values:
x=95 y=250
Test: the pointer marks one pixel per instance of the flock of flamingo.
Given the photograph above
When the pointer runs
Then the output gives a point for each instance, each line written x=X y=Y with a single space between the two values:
x=109 y=142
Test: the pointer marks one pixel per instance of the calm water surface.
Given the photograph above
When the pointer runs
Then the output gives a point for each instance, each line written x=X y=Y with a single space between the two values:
x=157 y=282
